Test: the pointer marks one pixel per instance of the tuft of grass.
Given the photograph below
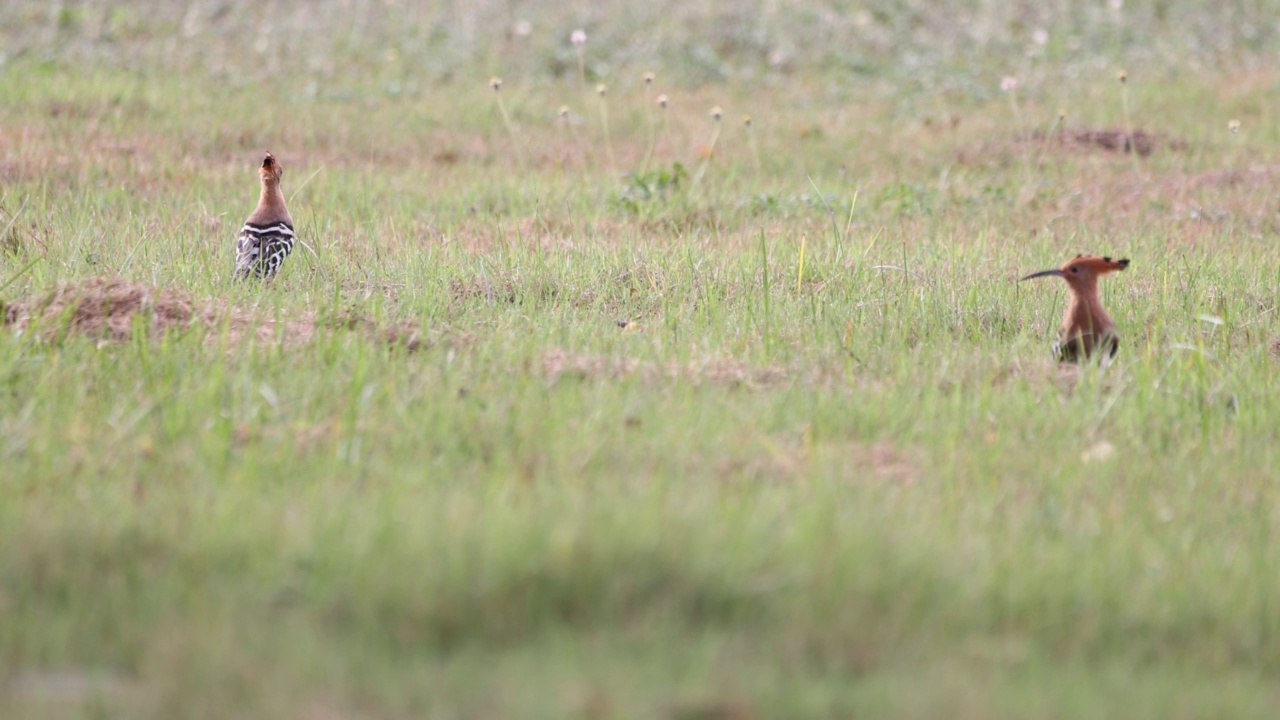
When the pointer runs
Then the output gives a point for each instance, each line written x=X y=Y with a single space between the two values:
x=1131 y=143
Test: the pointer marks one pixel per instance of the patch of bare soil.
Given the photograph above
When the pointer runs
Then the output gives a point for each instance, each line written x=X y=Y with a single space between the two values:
x=1275 y=348
x=114 y=309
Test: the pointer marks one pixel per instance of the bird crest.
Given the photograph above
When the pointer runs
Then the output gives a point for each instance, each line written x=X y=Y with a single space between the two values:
x=1094 y=264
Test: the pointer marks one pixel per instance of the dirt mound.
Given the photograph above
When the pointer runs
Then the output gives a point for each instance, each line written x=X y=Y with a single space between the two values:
x=114 y=309
x=102 y=307
x=1109 y=139
x=1007 y=150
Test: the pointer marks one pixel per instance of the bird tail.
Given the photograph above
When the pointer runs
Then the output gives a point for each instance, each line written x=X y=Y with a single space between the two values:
x=244 y=264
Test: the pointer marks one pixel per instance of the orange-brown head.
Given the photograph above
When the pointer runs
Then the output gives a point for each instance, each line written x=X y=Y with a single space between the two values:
x=271 y=171
x=1082 y=271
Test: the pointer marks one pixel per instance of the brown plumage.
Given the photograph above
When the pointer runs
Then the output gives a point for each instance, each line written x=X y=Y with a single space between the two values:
x=267 y=236
x=1086 y=327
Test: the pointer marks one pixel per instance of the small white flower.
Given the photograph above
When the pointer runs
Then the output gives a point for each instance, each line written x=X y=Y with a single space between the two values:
x=578 y=37
x=1040 y=36
x=522 y=28
x=1008 y=83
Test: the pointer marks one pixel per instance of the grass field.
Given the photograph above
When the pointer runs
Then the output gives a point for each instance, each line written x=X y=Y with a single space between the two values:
x=576 y=405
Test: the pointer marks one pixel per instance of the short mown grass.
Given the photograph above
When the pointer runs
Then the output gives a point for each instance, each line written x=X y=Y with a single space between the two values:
x=764 y=429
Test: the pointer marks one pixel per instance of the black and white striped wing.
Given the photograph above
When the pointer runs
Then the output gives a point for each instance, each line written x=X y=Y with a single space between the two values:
x=261 y=249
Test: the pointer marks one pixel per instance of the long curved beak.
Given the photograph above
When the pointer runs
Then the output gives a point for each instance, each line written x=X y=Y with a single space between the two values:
x=1042 y=273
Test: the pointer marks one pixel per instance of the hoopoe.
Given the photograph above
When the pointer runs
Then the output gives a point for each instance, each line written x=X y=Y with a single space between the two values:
x=1086 y=327
x=267 y=236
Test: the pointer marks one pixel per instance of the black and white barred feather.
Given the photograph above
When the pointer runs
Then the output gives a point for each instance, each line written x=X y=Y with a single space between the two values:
x=261 y=249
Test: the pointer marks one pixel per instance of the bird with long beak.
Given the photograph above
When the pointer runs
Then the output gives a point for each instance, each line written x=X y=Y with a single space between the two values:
x=1086 y=327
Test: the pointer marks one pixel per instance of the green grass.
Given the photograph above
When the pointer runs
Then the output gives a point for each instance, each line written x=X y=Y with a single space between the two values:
x=645 y=461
